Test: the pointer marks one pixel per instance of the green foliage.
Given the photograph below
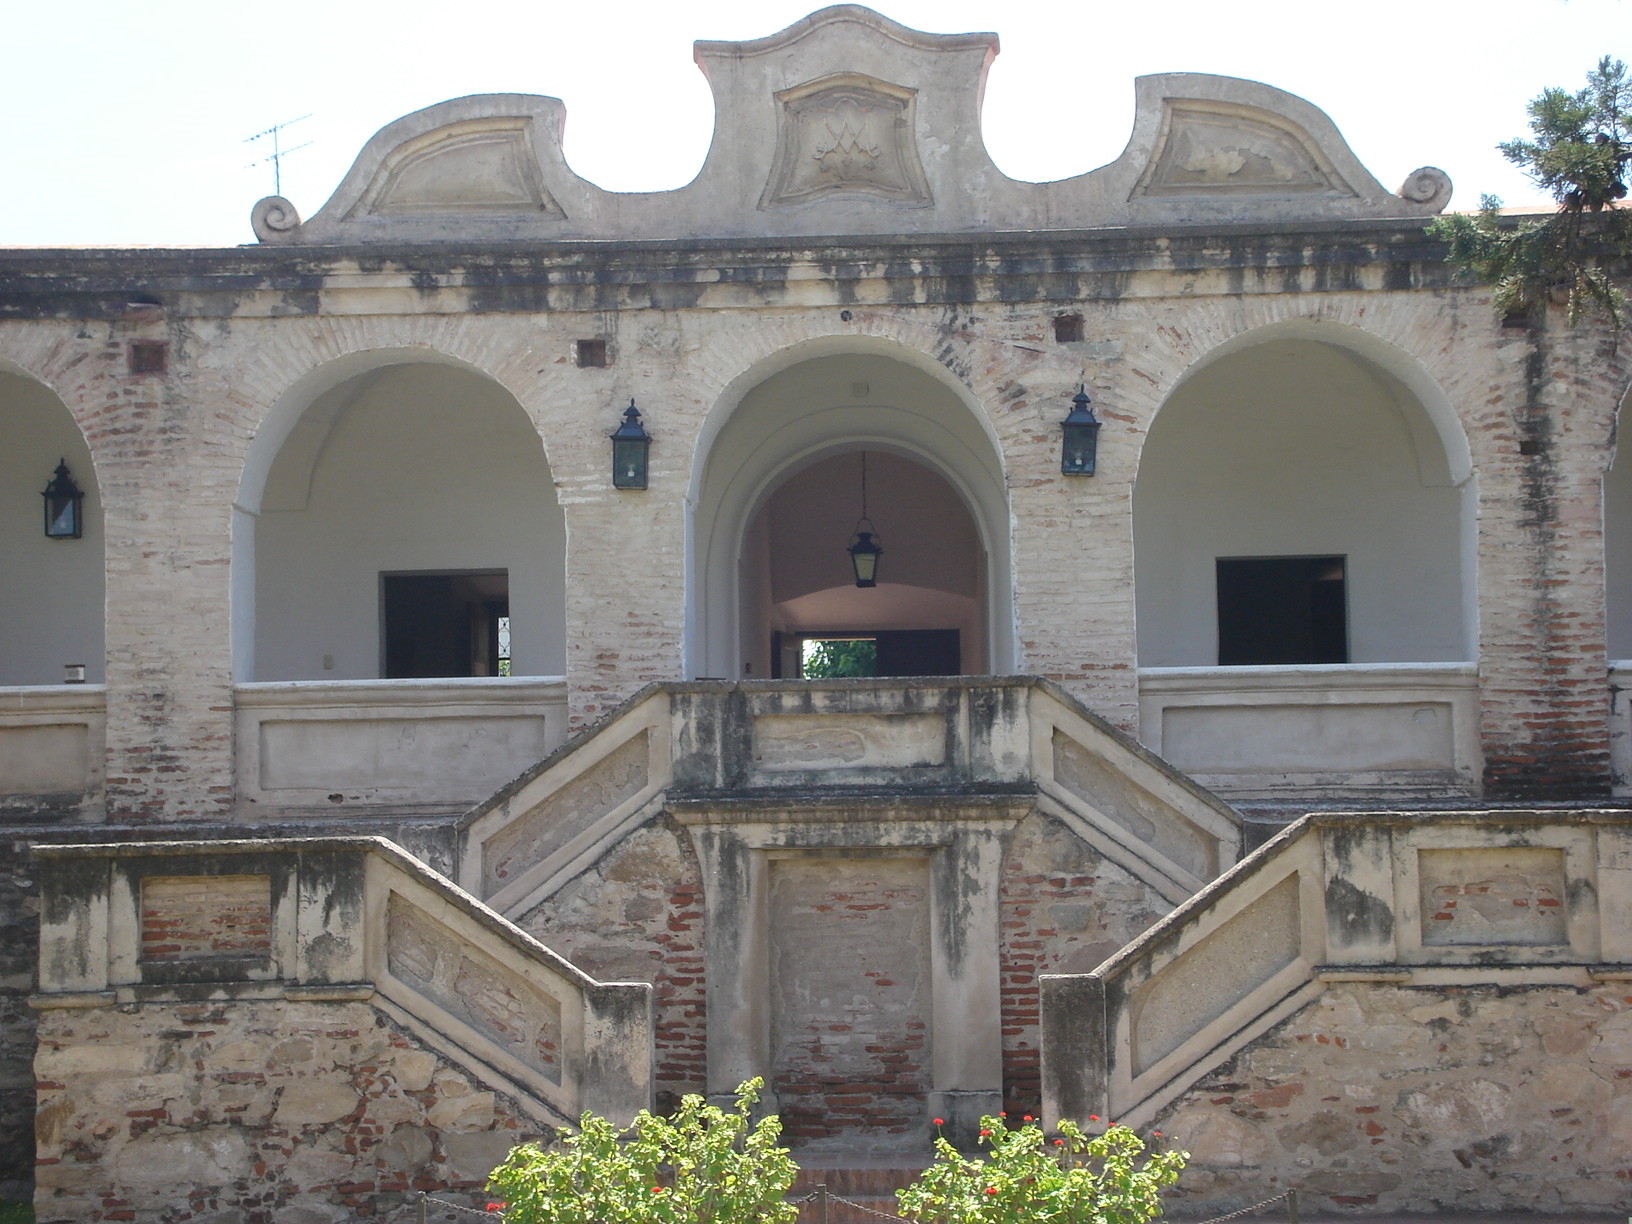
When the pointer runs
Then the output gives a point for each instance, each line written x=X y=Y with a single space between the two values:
x=704 y=1164
x=824 y=660
x=1579 y=152
x=1026 y=1179
x=1583 y=140
x=13 y=1212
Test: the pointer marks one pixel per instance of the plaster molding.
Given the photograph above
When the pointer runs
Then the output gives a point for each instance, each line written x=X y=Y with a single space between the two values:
x=846 y=123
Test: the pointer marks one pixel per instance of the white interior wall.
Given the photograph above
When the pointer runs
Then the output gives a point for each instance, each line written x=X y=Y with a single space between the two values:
x=420 y=467
x=1289 y=448
x=51 y=591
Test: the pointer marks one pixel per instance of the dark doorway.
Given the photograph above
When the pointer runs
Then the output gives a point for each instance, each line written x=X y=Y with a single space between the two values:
x=1282 y=610
x=448 y=624
x=919 y=652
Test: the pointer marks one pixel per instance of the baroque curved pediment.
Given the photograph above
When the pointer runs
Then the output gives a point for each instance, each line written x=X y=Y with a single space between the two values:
x=482 y=165
x=847 y=123
x=1225 y=149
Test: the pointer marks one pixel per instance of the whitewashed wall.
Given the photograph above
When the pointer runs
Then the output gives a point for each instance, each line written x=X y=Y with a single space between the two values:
x=423 y=467
x=51 y=591
x=1290 y=448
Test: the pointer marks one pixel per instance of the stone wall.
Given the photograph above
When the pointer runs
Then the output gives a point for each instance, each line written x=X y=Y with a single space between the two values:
x=851 y=1006
x=1380 y=1098
x=1065 y=908
x=19 y=944
x=637 y=916
x=298 y=1112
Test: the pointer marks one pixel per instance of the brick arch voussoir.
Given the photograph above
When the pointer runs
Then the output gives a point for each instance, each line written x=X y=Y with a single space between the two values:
x=270 y=371
x=981 y=371
x=46 y=354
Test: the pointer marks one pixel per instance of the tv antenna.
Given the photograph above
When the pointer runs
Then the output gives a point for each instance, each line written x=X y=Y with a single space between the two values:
x=278 y=151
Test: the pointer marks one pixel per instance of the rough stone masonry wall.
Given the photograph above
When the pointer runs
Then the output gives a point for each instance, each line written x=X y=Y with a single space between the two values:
x=1455 y=1099
x=1064 y=909
x=637 y=916
x=19 y=947
x=298 y=1112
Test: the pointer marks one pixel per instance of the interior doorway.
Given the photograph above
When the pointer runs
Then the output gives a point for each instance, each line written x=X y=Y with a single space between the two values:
x=889 y=652
x=441 y=625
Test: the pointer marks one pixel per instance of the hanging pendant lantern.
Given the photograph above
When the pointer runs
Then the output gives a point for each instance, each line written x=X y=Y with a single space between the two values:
x=865 y=550
x=64 y=506
x=630 y=444
x=1080 y=444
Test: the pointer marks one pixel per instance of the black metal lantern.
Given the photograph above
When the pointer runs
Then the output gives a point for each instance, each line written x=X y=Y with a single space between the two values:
x=64 y=506
x=629 y=451
x=864 y=554
x=1080 y=446
x=864 y=549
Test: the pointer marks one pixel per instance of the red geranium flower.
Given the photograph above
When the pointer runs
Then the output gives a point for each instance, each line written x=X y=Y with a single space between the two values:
x=495 y=1207
x=940 y=1121
x=1027 y=1118
x=991 y=1189
x=985 y=1132
x=1093 y=1117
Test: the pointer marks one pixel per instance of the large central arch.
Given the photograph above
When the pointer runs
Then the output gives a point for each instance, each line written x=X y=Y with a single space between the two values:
x=815 y=405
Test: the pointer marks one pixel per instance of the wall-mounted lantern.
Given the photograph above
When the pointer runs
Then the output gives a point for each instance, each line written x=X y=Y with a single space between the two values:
x=629 y=451
x=864 y=550
x=64 y=509
x=1079 y=447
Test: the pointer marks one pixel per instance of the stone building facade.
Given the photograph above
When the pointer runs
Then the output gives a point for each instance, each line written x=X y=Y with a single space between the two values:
x=427 y=787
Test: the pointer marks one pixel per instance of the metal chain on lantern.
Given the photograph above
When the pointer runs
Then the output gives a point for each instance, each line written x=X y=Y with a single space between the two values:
x=864 y=549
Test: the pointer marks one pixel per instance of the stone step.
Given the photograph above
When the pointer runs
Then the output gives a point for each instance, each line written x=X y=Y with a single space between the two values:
x=859 y=1189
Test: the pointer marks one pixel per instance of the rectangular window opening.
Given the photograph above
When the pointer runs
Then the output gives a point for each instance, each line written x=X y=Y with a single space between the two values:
x=591 y=354
x=445 y=624
x=1067 y=328
x=1282 y=610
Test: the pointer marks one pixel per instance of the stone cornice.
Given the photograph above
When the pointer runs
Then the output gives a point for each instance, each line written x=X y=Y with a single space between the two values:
x=1044 y=266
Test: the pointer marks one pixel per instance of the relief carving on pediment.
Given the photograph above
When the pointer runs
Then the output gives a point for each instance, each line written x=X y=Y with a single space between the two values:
x=1223 y=149
x=846 y=134
x=483 y=166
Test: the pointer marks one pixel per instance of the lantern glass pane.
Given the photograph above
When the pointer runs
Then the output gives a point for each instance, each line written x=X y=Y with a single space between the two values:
x=629 y=464
x=62 y=518
x=1077 y=451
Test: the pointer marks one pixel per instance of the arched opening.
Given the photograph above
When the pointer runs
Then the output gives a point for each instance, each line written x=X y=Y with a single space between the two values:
x=51 y=589
x=1299 y=501
x=925 y=616
x=406 y=526
x=778 y=499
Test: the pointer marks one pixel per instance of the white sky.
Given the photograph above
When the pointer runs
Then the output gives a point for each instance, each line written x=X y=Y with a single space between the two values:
x=123 y=121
